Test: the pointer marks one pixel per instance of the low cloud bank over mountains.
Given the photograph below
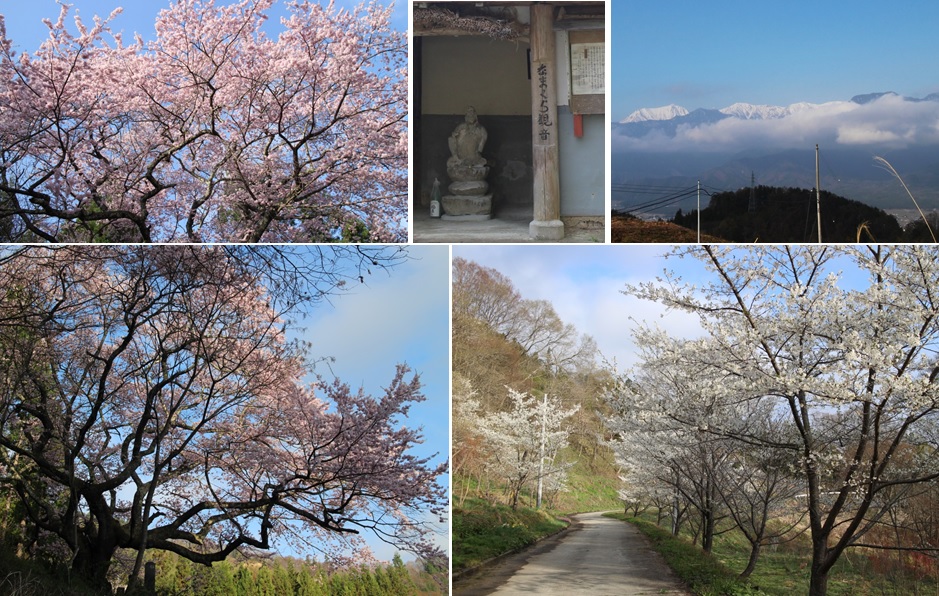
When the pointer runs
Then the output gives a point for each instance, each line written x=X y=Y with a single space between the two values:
x=884 y=120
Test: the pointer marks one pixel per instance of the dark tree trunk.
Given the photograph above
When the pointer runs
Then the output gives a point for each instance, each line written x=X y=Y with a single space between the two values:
x=97 y=544
x=751 y=562
x=92 y=563
x=707 y=530
x=818 y=580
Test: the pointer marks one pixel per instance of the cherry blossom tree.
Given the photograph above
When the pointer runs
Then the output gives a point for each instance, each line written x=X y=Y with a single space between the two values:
x=150 y=399
x=526 y=441
x=848 y=358
x=761 y=493
x=680 y=466
x=466 y=450
x=688 y=464
x=211 y=132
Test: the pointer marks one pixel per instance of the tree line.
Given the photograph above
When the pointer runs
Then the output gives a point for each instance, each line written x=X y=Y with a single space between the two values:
x=805 y=401
x=286 y=577
x=785 y=214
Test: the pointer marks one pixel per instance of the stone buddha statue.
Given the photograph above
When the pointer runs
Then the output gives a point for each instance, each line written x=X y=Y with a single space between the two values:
x=468 y=169
x=466 y=146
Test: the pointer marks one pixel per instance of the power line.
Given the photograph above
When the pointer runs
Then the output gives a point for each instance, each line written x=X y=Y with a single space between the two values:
x=673 y=195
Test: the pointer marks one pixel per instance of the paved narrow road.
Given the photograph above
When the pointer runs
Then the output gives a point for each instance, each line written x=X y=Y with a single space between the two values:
x=597 y=556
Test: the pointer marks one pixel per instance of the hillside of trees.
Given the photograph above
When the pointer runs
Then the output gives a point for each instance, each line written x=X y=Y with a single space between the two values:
x=790 y=215
x=518 y=368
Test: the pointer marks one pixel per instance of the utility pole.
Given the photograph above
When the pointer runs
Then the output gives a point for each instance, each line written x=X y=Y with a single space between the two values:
x=818 y=196
x=544 y=413
x=699 y=212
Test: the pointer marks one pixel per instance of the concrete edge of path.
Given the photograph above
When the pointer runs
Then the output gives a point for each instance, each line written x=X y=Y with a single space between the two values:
x=470 y=571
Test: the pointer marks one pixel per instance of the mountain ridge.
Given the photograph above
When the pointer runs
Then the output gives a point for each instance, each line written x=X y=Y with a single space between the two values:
x=748 y=111
x=724 y=148
x=657 y=114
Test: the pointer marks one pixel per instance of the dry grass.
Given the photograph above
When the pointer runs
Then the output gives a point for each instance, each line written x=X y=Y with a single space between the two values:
x=631 y=229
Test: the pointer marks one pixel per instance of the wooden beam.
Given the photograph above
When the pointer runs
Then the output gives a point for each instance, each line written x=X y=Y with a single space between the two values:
x=547 y=223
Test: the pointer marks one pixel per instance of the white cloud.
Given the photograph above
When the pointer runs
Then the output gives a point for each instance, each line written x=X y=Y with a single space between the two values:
x=383 y=322
x=866 y=135
x=585 y=285
x=889 y=121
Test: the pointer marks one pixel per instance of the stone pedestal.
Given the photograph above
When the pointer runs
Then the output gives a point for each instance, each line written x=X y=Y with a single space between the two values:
x=467 y=208
x=551 y=230
x=469 y=199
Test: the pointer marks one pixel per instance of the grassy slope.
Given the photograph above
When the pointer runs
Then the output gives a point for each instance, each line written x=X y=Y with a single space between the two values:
x=784 y=569
x=592 y=488
x=482 y=531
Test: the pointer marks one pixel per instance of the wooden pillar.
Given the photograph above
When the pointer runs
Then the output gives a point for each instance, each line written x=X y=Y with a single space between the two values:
x=547 y=224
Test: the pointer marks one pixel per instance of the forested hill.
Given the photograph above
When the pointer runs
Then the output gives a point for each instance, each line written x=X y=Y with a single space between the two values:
x=505 y=347
x=790 y=215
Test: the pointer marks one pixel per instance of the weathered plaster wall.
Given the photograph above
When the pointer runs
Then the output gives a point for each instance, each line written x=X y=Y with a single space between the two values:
x=582 y=165
x=582 y=160
x=490 y=75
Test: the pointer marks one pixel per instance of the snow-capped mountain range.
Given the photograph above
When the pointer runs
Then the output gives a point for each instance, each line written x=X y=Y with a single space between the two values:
x=672 y=146
x=664 y=113
x=746 y=111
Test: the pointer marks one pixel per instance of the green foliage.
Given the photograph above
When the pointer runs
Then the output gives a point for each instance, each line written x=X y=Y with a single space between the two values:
x=783 y=569
x=922 y=231
x=482 y=531
x=20 y=577
x=354 y=232
x=703 y=572
x=278 y=577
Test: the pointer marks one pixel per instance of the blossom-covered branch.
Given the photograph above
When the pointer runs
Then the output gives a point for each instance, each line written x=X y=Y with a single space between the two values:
x=210 y=132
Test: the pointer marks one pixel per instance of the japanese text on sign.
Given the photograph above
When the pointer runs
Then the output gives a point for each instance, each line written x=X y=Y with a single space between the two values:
x=587 y=65
x=544 y=112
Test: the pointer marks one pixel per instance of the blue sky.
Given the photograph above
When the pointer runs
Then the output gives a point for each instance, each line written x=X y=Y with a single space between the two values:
x=584 y=285
x=398 y=316
x=712 y=54
x=401 y=316
x=25 y=27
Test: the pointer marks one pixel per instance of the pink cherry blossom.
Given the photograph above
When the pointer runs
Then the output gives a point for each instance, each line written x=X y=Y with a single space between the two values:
x=211 y=132
x=151 y=399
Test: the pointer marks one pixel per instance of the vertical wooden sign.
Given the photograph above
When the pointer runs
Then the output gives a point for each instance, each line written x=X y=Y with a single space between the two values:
x=547 y=223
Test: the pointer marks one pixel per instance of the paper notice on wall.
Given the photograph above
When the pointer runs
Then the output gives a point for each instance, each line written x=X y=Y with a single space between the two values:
x=587 y=62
